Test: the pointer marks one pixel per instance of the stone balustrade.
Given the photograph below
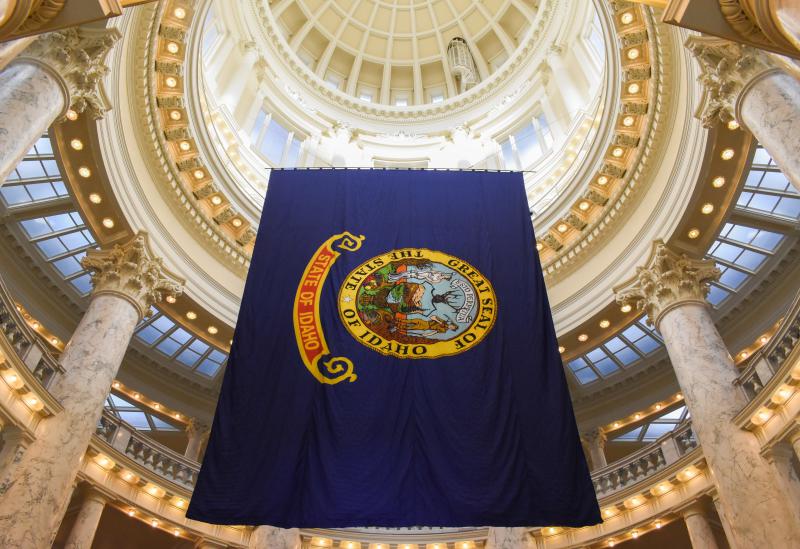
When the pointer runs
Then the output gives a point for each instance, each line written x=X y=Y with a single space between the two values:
x=166 y=464
x=642 y=464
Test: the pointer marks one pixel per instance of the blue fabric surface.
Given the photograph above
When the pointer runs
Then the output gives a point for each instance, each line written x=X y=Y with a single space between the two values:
x=484 y=437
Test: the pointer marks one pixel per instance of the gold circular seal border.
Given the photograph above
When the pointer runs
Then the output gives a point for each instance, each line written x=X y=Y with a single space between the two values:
x=483 y=323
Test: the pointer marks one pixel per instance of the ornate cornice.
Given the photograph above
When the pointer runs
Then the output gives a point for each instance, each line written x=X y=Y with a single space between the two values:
x=76 y=56
x=668 y=280
x=130 y=271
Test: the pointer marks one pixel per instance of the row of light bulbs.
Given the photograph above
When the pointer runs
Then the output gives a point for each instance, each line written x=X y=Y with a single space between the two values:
x=328 y=542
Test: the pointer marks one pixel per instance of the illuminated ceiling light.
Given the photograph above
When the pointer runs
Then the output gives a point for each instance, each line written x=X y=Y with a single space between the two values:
x=744 y=354
x=180 y=503
x=539 y=246
x=617 y=152
x=216 y=200
x=173 y=47
x=76 y=144
x=562 y=227
x=658 y=406
x=154 y=523
x=718 y=182
x=170 y=299
x=687 y=474
x=679 y=396
x=153 y=490
x=84 y=172
x=611 y=543
x=733 y=125
x=727 y=154
x=54 y=341
x=191 y=315
x=72 y=115
x=176 y=532
x=180 y=13
x=561 y=349
x=626 y=18
x=635 y=534
x=95 y=198
x=763 y=339
x=693 y=233
x=236 y=222
x=185 y=146
x=212 y=330
x=199 y=174
x=707 y=208
x=108 y=223
x=583 y=337
x=633 y=53
x=626 y=308
x=637 y=416
x=658 y=524
x=137 y=396
x=177 y=416
x=171 y=81
x=157 y=406
x=628 y=121
x=583 y=205
x=32 y=401
x=11 y=378
x=131 y=512
x=782 y=394
x=175 y=115
x=605 y=324
x=616 y=424
x=761 y=416
x=35 y=325
x=128 y=476
x=634 y=87
x=602 y=180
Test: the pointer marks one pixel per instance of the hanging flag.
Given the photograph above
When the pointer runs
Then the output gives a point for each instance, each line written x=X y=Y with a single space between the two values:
x=394 y=363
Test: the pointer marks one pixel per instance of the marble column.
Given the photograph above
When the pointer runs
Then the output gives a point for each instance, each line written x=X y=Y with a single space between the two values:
x=198 y=433
x=700 y=531
x=82 y=533
x=127 y=281
x=268 y=537
x=671 y=290
x=746 y=84
x=779 y=458
x=56 y=71
x=509 y=538
x=596 y=444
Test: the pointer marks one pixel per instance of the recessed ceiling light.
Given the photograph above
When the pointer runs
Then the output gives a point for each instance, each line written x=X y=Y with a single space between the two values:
x=633 y=53
x=605 y=323
x=175 y=115
x=539 y=246
x=727 y=154
x=733 y=125
x=718 y=182
x=180 y=13
x=583 y=337
x=84 y=172
x=171 y=81
x=634 y=88
x=584 y=205
x=76 y=144
x=617 y=152
x=561 y=349
x=693 y=233
x=216 y=200
x=236 y=222
x=199 y=174
x=191 y=315
x=626 y=18
x=72 y=115
x=185 y=146
x=562 y=227
x=626 y=308
x=707 y=208
x=628 y=121
x=170 y=299
x=95 y=198
x=602 y=180
x=212 y=330
x=173 y=47
x=108 y=223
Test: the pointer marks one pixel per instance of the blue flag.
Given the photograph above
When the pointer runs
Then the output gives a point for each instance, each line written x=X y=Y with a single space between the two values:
x=394 y=363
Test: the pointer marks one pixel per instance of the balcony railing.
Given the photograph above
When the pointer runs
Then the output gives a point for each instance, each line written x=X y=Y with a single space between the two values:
x=25 y=344
x=153 y=456
x=645 y=462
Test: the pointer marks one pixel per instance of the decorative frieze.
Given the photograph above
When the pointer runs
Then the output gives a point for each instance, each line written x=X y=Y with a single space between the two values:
x=169 y=101
x=172 y=33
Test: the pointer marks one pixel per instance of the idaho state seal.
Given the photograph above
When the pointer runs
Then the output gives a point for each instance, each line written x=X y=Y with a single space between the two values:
x=417 y=303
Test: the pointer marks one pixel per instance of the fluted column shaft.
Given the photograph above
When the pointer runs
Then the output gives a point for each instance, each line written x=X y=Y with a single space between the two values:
x=268 y=537
x=770 y=108
x=700 y=531
x=82 y=533
x=126 y=282
x=672 y=289
x=197 y=436
x=31 y=98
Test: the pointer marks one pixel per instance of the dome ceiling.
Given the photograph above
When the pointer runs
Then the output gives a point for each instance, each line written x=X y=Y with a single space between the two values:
x=395 y=52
